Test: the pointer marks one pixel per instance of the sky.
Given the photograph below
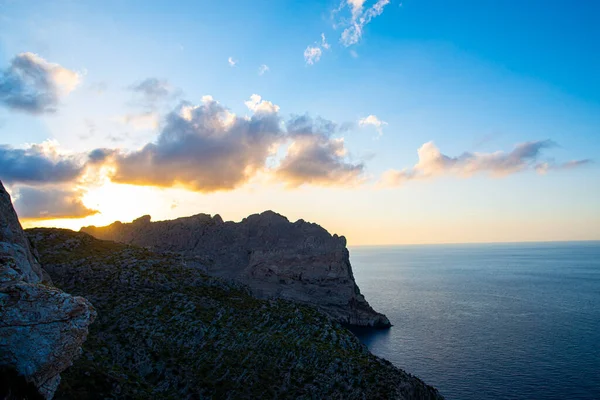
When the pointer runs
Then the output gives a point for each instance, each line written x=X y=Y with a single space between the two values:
x=388 y=122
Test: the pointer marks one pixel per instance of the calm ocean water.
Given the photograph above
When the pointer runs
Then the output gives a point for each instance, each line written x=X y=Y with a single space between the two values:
x=493 y=321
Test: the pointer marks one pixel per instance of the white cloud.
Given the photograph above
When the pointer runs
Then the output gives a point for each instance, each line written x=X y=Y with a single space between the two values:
x=432 y=163
x=373 y=121
x=356 y=5
x=359 y=18
x=263 y=68
x=312 y=55
x=232 y=62
x=258 y=105
x=324 y=43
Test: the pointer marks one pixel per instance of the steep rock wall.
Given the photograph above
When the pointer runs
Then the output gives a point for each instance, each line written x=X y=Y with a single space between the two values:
x=41 y=327
x=297 y=261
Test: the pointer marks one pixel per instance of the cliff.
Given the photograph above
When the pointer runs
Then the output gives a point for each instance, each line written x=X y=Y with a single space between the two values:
x=42 y=328
x=297 y=261
x=166 y=330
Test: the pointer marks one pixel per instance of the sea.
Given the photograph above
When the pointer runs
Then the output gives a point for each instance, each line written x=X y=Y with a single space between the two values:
x=488 y=321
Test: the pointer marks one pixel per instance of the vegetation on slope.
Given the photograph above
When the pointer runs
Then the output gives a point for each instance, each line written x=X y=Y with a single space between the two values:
x=168 y=331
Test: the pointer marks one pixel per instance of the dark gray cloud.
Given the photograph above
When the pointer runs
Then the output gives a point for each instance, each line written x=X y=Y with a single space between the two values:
x=153 y=90
x=320 y=160
x=37 y=164
x=49 y=203
x=307 y=125
x=208 y=148
x=99 y=156
x=34 y=85
x=204 y=148
x=432 y=163
x=314 y=157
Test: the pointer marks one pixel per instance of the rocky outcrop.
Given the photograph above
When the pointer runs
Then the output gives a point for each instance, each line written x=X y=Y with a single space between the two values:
x=297 y=261
x=166 y=330
x=41 y=327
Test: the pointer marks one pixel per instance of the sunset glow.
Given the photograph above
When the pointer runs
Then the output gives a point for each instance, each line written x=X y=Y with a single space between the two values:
x=368 y=124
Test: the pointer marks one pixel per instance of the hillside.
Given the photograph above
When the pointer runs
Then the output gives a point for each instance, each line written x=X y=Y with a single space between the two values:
x=167 y=330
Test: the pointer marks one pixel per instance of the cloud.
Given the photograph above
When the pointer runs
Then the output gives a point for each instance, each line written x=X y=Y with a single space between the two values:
x=546 y=167
x=151 y=96
x=320 y=160
x=49 y=203
x=262 y=69
x=324 y=43
x=314 y=157
x=34 y=85
x=432 y=163
x=373 y=121
x=258 y=105
x=141 y=121
x=313 y=53
x=232 y=62
x=356 y=6
x=39 y=163
x=299 y=125
x=203 y=147
x=153 y=90
x=208 y=148
x=100 y=156
x=359 y=18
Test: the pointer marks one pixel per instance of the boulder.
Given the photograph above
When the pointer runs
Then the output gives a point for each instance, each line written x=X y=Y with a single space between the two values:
x=41 y=327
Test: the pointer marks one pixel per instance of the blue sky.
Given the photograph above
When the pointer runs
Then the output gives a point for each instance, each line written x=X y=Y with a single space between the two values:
x=471 y=76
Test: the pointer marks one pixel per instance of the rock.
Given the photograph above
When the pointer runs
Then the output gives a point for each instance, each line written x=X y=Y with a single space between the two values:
x=42 y=328
x=16 y=258
x=297 y=261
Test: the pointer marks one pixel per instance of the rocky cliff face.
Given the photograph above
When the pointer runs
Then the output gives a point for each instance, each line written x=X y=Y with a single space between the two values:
x=42 y=328
x=166 y=330
x=297 y=261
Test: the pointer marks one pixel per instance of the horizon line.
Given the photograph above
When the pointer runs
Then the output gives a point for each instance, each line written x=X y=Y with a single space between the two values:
x=468 y=243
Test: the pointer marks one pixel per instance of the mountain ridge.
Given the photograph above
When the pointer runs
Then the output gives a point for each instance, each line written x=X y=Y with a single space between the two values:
x=299 y=261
